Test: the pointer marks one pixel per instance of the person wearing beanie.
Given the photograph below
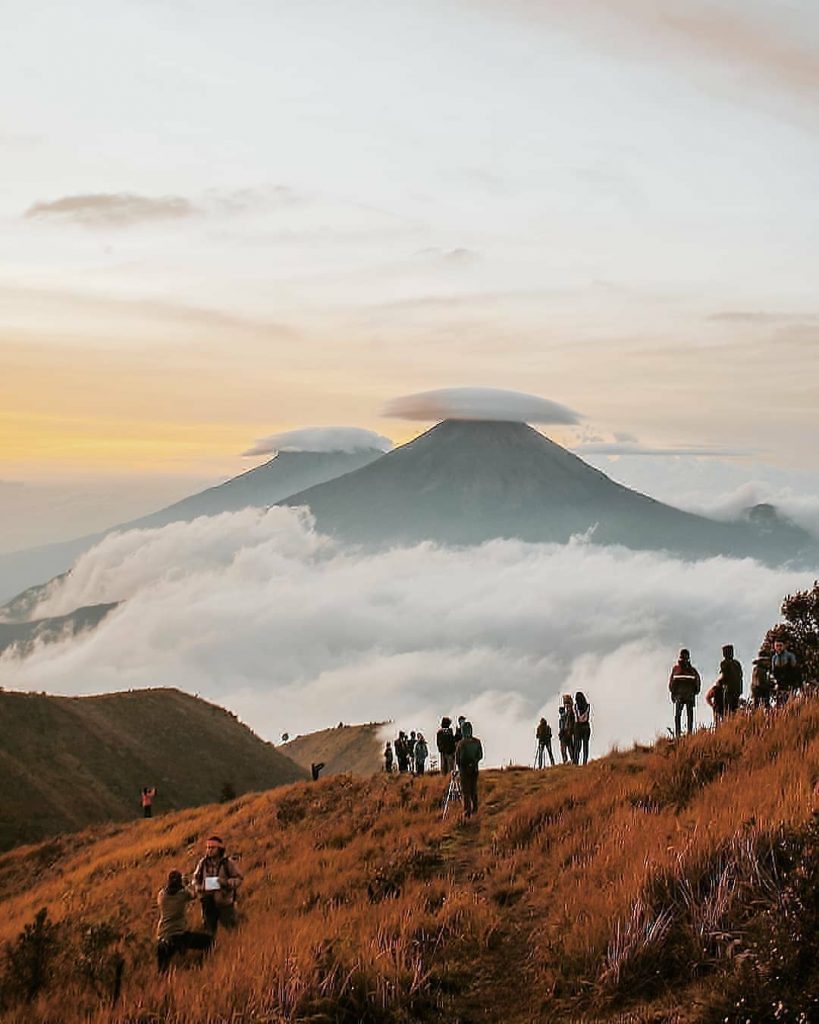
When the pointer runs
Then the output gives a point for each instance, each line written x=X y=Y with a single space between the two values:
x=684 y=684
x=172 y=934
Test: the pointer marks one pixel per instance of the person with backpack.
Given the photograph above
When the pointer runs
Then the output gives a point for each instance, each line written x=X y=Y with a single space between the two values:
x=217 y=879
x=172 y=933
x=784 y=670
x=582 y=727
x=761 y=682
x=716 y=699
x=544 y=742
x=445 y=742
x=468 y=755
x=684 y=684
x=565 y=728
x=730 y=672
x=146 y=799
x=388 y=758
x=421 y=753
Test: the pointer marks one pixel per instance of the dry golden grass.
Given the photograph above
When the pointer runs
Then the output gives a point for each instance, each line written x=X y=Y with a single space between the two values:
x=567 y=900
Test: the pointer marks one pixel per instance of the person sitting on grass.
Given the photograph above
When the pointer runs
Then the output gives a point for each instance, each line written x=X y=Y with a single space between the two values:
x=172 y=934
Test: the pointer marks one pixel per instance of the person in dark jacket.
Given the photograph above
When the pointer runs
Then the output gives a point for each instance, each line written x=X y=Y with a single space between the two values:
x=730 y=672
x=402 y=752
x=784 y=671
x=388 y=759
x=684 y=684
x=582 y=727
x=544 y=742
x=468 y=755
x=420 y=754
x=565 y=728
x=172 y=933
x=445 y=742
x=761 y=682
x=217 y=879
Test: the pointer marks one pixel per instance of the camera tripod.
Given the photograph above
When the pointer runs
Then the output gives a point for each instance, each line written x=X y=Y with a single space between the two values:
x=453 y=791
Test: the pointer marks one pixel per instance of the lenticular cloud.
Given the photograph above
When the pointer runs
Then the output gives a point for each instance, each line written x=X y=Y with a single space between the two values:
x=321 y=439
x=479 y=404
x=258 y=612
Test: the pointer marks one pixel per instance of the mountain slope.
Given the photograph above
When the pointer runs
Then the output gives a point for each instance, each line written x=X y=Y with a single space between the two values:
x=284 y=474
x=67 y=762
x=22 y=636
x=672 y=884
x=346 y=748
x=464 y=482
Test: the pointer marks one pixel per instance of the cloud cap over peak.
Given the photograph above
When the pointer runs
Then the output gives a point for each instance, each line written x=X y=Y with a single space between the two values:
x=474 y=403
x=321 y=439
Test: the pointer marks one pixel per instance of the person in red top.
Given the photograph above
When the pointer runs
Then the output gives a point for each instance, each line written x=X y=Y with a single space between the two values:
x=147 y=799
x=684 y=684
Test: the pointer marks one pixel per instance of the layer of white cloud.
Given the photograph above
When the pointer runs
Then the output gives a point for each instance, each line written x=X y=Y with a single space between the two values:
x=479 y=404
x=256 y=611
x=321 y=439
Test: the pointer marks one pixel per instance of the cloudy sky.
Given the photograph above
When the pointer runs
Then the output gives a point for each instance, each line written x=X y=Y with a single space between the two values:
x=218 y=222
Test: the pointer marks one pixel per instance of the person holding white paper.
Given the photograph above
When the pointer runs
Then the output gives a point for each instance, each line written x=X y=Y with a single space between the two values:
x=217 y=878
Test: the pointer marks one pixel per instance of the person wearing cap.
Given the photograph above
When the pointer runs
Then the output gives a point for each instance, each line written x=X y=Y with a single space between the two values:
x=172 y=934
x=684 y=684
x=730 y=672
x=217 y=879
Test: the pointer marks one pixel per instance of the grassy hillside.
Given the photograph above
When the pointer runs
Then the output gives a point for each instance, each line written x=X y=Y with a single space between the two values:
x=69 y=762
x=668 y=884
x=346 y=748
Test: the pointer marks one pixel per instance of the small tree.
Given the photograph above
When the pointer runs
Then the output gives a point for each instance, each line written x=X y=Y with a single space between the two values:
x=800 y=630
x=227 y=793
x=30 y=957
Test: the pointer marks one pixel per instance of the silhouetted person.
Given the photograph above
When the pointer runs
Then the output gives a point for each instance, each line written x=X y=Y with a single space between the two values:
x=459 y=729
x=468 y=756
x=445 y=742
x=684 y=684
x=716 y=699
x=388 y=759
x=730 y=672
x=402 y=751
x=565 y=728
x=420 y=754
x=582 y=727
x=172 y=934
x=761 y=683
x=217 y=879
x=544 y=741
x=784 y=671
x=146 y=798
x=411 y=752
x=315 y=769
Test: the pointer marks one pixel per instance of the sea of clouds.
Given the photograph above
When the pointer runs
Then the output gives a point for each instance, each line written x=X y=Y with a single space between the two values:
x=258 y=612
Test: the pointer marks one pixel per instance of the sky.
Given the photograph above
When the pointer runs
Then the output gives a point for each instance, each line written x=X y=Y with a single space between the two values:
x=219 y=222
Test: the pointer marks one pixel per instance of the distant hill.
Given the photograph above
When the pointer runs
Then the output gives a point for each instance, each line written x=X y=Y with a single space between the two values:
x=464 y=482
x=22 y=636
x=347 y=748
x=668 y=884
x=265 y=485
x=68 y=762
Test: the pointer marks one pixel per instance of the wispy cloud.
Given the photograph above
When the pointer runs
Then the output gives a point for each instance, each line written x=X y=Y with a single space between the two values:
x=632 y=448
x=119 y=210
x=762 y=318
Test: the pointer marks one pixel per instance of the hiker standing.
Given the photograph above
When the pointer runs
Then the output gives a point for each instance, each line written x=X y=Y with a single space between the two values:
x=468 y=755
x=401 y=752
x=459 y=735
x=146 y=799
x=172 y=933
x=716 y=699
x=761 y=682
x=217 y=878
x=730 y=672
x=411 y=751
x=421 y=754
x=388 y=758
x=445 y=742
x=582 y=727
x=684 y=684
x=784 y=671
x=544 y=742
x=565 y=728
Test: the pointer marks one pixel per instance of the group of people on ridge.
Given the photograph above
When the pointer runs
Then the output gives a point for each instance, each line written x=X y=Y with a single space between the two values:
x=215 y=882
x=458 y=751
x=773 y=678
x=573 y=732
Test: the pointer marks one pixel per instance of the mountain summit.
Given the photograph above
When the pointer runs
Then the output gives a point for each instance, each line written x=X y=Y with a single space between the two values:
x=468 y=481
